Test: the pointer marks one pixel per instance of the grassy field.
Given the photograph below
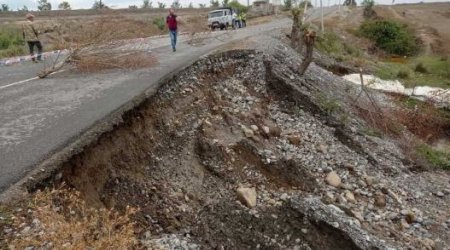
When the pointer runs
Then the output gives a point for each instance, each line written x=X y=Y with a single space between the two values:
x=11 y=42
x=417 y=71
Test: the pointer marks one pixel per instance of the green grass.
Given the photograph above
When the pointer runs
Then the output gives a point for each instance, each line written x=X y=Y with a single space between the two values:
x=327 y=104
x=332 y=44
x=11 y=42
x=437 y=71
x=373 y=132
x=435 y=157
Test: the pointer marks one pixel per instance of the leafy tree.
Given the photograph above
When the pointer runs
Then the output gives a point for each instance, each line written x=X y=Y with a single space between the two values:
x=44 y=5
x=161 y=5
x=24 y=8
x=190 y=6
x=287 y=4
x=368 y=8
x=305 y=3
x=238 y=6
x=146 y=4
x=225 y=3
x=350 y=3
x=392 y=37
x=133 y=7
x=64 y=5
x=214 y=3
x=202 y=5
x=176 y=4
x=98 y=4
x=5 y=8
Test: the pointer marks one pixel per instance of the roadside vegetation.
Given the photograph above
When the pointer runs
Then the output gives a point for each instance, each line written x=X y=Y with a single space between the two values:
x=395 y=55
x=330 y=43
x=65 y=33
x=11 y=42
x=60 y=219
x=435 y=157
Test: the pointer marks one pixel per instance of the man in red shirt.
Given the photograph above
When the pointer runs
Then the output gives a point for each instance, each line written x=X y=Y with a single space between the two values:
x=171 y=21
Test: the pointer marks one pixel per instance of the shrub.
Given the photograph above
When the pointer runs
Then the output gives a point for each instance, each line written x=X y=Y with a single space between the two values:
x=160 y=23
x=60 y=219
x=421 y=68
x=390 y=36
x=403 y=74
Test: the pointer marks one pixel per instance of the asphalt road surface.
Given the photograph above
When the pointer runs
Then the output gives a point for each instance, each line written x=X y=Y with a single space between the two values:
x=40 y=116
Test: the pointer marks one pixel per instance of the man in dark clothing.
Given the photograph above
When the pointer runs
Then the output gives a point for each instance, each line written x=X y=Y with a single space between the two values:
x=31 y=36
x=171 y=21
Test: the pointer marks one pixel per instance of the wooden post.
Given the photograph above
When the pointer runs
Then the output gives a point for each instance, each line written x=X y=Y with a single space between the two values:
x=309 y=38
x=321 y=18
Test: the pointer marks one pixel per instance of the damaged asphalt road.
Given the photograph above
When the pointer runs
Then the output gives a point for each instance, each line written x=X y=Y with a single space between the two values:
x=39 y=117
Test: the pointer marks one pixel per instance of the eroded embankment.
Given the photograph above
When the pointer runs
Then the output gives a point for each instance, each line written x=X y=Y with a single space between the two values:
x=181 y=154
x=232 y=120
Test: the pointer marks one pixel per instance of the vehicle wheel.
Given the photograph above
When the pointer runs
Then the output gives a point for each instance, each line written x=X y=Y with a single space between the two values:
x=213 y=28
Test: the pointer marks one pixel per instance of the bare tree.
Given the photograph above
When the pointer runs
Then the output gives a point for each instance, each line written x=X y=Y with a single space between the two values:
x=161 y=5
x=147 y=4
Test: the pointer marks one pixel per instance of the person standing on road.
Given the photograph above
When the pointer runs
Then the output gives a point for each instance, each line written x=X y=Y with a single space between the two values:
x=171 y=21
x=31 y=36
x=235 y=22
x=244 y=19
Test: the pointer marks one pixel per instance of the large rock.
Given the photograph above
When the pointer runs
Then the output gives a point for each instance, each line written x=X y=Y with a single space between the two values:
x=247 y=132
x=247 y=196
x=350 y=197
x=333 y=179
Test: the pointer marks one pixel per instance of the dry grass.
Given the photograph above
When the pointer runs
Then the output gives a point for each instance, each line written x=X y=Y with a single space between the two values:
x=95 y=62
x=414 y=124
x=196 y=29
x=422 y=119
x=98 y=45
x=59 y=219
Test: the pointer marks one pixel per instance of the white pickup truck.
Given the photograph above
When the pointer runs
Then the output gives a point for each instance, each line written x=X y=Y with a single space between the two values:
x=220 y=18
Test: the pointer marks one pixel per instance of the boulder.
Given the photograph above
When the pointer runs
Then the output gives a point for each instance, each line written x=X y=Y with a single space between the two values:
x=333 y=179
x=247 y=196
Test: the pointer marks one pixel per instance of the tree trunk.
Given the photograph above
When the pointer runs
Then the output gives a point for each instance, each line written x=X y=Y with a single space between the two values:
x=297 y=32
x=309 y=38
x=295 y=28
